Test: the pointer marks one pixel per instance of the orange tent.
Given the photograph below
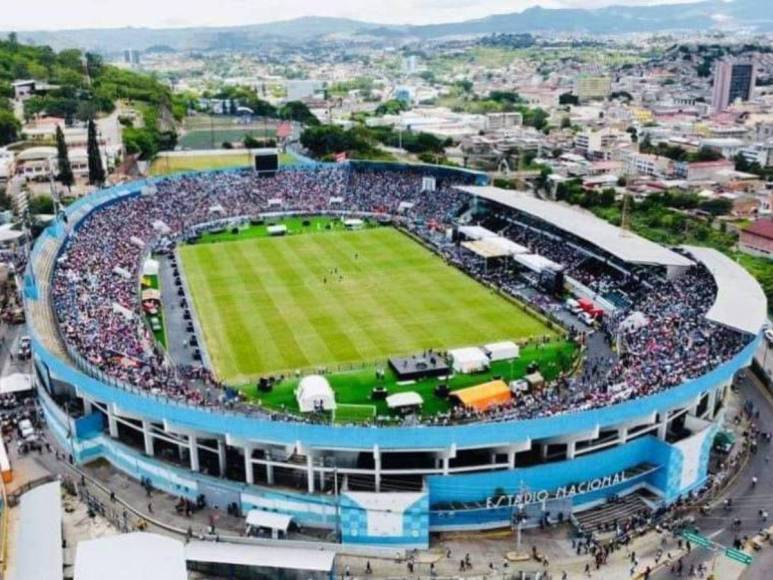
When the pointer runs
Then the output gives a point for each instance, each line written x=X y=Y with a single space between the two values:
x=483 y=396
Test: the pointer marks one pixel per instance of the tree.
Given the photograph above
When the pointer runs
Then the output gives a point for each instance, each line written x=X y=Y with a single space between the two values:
x=9 y=127
x=96 y=169
x=63 y=160
x=568 y=99
x=298 y=111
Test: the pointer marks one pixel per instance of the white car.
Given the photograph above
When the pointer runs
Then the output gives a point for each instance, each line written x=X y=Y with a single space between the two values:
x=587 y=318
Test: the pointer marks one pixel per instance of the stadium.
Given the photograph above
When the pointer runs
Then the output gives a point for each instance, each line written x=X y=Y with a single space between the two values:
x=382 y=350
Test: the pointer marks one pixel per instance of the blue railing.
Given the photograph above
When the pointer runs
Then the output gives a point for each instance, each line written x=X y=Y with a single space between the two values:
x=218 y=420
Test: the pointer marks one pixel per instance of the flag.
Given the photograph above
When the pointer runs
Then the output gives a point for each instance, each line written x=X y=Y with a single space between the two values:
x=340 y=157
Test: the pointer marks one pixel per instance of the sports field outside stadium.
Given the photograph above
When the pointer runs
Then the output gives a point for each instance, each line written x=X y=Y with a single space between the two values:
x=331 y=298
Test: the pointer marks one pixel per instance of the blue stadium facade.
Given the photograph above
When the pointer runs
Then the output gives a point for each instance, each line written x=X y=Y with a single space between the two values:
x=396 y=484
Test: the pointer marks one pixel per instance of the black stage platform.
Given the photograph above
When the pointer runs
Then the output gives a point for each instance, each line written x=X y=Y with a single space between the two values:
x=419 y=366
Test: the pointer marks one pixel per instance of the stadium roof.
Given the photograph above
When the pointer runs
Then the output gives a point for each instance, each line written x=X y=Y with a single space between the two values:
x=130 y=556
x=626 y=246
x=38 y=551
x=740 y=304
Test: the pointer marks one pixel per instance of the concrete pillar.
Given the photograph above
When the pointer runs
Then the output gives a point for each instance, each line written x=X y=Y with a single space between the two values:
x=88 y=408
x=712 y=402
x=147 y=434
x=511 y=458
x=446 y=464
x=543 y=451
x=377 y=468
x=112 y=423
x=193 y=451
x=249 y=476
x=622 y=434
x=571 y=448
x=310 y=471
x=345 y=482
x=663 y=427
x=269 y=472
x=221 y=456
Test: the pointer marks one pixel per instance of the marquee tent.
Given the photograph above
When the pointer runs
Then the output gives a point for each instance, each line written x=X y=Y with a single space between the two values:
x=314 y=391
x=15 y=383
x=278 y=230
x=483 y=396
x=505 y=350
x=468 y=360
x=273 y=521
x=161 y=227
x=150 y=268
x=402 y=400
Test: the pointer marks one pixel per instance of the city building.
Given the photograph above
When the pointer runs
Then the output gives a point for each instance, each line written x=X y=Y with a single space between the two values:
x=589 y=87
x=499 y=121
x=757 y=239
x=131 y=57
x=733 y=80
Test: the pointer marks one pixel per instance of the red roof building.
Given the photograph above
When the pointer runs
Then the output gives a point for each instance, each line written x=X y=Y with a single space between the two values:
x=757 y=239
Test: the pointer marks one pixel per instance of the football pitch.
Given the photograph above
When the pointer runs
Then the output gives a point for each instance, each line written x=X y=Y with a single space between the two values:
x=336 y=298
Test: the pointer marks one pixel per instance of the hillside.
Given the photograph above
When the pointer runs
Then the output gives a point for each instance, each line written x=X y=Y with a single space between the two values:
x=84 y=88
x=701 y=15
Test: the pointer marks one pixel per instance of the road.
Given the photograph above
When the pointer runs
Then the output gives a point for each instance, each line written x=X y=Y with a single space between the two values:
x=747 y=499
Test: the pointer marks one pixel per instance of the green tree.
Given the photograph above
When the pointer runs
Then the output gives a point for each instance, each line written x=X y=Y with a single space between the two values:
x=65 y=176
x=96 y=169
x=9 y=127
x=299 y=112
x=568 y=99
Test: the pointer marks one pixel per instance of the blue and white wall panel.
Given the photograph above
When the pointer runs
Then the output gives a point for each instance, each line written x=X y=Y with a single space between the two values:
x=387 y=519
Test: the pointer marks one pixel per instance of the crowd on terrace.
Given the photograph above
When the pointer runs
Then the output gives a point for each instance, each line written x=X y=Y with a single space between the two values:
x=96 y=299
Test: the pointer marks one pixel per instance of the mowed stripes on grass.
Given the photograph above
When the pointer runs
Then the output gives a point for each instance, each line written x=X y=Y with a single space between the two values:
x=271 y=305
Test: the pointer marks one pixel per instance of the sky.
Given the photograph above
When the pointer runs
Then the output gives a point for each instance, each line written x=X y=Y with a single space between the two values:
x=68 y=14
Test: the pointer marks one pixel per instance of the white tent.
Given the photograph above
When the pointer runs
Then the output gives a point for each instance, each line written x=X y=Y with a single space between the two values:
x=314 y=391
x=15 y=383
x=505 y=350
x=278 y=230
x=150 y=268
x=469 y=360
x=123 y=311
x=536 y=263
x=634 y=321
x=161 y=227
x=353 y=223
x=408 y=399
x=122 y=272
x=271 y=520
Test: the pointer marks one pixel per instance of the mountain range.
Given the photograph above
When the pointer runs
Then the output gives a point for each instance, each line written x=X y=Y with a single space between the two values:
x=703 y=15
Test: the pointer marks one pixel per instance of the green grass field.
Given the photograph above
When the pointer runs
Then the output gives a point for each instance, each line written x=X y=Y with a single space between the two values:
x=273 y=305
x=352 y=388
x=165 y=165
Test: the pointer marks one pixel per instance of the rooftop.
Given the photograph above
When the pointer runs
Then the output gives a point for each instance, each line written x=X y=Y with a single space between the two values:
x=624 y=245
x=735 y=287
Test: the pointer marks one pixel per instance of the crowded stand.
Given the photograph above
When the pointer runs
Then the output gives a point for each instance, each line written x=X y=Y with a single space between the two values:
x=97 y=304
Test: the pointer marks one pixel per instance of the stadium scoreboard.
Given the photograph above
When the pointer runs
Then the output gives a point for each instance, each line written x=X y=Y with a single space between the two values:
x=265 y=161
